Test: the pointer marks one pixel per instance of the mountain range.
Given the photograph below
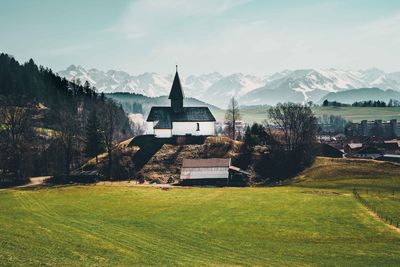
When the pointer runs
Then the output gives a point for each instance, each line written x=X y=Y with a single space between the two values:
x=214 y=88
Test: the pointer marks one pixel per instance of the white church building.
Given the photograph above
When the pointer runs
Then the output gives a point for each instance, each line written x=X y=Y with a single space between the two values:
x=165 y=122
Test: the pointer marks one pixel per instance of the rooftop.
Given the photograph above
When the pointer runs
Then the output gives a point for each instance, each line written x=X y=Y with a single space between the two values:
x=164 y=116
x=206 y=163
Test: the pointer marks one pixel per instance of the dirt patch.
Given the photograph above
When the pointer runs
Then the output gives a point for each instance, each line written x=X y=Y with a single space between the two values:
x=322 y=193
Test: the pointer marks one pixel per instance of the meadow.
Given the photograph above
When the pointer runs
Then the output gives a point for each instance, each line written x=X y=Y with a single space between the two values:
x=257 y=114
x=314 y=220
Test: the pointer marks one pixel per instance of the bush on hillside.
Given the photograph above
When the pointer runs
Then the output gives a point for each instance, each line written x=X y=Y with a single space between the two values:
x=123 y=166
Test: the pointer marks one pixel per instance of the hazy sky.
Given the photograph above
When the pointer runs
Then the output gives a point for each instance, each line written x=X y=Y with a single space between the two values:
x=202 y=36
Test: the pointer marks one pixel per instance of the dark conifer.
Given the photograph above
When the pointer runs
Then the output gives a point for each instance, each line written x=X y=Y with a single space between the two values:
x=94 y=144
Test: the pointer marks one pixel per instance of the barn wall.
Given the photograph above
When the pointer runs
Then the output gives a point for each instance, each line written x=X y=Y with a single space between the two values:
x=163 y=133
x=183 y=128
x=205 y=173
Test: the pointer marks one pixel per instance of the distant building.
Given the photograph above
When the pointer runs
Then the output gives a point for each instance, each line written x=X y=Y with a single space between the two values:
x=377 y=128
x=352 y=147
x=365 y=152
x=326 y=150
x=176 y=120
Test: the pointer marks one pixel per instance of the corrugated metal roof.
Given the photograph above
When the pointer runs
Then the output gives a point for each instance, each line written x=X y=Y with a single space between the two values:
x=206 y=163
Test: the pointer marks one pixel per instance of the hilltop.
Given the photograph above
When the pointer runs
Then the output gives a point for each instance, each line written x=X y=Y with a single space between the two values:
x=157 y=160
x=167 y=161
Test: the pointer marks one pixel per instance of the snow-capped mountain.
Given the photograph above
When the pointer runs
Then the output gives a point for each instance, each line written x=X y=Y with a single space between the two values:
x=312 y=85
x=215 y=88
x=148 y=84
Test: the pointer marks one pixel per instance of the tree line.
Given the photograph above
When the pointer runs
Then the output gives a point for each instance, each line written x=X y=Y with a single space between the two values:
x=369 y=103
x=51 y=126
x=280 y=147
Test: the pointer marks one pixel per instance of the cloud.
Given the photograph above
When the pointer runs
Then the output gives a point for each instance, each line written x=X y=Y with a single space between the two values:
x=260 y=46
x=212 y=35
x=144 y=17
x=66 y=50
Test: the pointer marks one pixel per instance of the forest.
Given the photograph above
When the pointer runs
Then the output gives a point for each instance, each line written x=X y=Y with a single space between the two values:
x=51 y=126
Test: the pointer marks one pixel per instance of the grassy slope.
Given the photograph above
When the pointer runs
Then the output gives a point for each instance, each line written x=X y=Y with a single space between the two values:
x=252 y=226
x=168 y=160
x=355 y=114
x=313 y=222
x=377 y=182
x=349 y=173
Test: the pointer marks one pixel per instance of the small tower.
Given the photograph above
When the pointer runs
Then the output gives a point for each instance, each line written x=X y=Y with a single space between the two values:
x=176 y=95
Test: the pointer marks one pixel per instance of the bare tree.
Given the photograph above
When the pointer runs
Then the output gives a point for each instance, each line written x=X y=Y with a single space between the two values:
x=16 y=135
x=68 y=135
x=291 y=130
x=109 y=123
x=232 y=115
x=291 y=125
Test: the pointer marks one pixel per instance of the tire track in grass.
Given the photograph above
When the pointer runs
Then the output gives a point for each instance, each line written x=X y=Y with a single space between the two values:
x=186 y=237
x=223 y=252
x=189 y=235
x=61 y=223
x=144 y=240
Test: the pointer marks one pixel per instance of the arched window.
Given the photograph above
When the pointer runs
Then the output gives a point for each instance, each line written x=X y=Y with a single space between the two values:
x=197 y=126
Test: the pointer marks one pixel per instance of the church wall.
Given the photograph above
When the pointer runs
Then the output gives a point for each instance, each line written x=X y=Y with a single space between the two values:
x=162 y=133
x=149 y=127
x=183 y=128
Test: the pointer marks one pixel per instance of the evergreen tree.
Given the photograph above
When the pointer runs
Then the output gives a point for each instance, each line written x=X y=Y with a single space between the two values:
x=248 y=138
x=94 y=144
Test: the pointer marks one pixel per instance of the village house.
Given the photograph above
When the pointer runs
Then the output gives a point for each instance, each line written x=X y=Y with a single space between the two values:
x=177 y=120
x=366 y=152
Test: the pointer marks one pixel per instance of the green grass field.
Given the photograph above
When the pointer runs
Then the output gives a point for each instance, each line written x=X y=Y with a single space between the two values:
x=356 y=114
x=302 y=224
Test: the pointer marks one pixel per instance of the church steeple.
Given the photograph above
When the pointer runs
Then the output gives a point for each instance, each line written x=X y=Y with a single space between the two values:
x=176 y=95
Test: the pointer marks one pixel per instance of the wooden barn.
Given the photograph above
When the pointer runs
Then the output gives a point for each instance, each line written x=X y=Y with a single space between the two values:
x=212 y=170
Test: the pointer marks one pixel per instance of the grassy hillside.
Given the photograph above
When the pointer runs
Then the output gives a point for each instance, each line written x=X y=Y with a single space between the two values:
x=96 y=225
x=377 y=182
x=252 y=114
x=315 y=220
x=349 y=173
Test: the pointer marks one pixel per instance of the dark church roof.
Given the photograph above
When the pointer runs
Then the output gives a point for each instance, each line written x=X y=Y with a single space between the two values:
x=164 y=116
x=176 y=90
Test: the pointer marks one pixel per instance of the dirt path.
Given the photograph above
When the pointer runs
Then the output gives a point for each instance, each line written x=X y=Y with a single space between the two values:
x=35 y=181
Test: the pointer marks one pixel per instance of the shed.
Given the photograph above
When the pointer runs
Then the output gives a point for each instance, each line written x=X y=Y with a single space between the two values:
x=210 y=169
x=214 y=168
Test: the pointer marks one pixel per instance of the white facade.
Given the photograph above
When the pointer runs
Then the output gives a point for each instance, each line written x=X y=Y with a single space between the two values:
x=205 y=173
x=193 y=128
x=183 y=128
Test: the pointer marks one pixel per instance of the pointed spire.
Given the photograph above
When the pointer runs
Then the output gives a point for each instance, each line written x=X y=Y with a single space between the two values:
x=176 y=90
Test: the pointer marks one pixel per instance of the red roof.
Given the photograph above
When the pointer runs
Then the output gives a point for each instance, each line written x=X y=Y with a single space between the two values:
x=206 y=163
